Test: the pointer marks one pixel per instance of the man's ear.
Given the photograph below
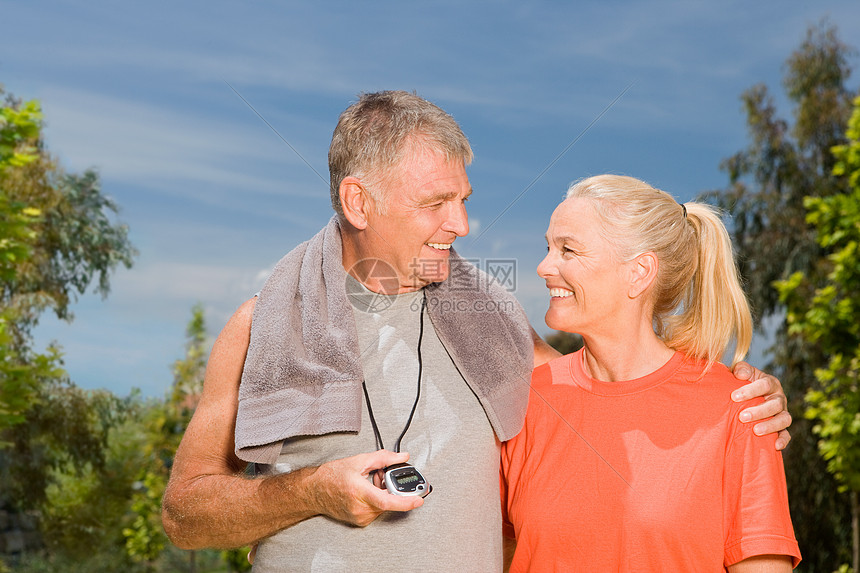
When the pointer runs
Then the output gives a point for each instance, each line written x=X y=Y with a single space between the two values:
x=355 y=201
x=643 y=272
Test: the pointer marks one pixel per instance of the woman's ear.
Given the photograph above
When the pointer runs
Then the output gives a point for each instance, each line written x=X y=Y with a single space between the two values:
x=355 y=201
x=643 y=272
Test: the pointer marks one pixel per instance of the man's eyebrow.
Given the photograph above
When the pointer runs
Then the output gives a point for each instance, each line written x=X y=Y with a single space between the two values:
x=444 y=196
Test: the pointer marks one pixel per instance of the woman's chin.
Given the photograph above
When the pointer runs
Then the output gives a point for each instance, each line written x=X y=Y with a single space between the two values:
x=556 y=322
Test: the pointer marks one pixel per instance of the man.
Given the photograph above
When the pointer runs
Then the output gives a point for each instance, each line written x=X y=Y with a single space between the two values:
x=313 y=367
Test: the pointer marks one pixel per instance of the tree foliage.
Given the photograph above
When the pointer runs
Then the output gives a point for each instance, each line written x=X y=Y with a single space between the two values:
x=86 y=504
x=19 y=132
x=784 y=164
x=57 y=237
x=769 y=181
x=76 y=243
x=830 y=319
x=144 y=538
x=93 y=465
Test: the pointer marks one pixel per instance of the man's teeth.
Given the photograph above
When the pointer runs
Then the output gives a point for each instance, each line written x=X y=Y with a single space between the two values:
x=442 y=246
x=560 y=292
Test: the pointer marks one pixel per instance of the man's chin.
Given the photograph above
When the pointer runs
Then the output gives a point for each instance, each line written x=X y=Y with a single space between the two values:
x=424 y=280
x=435 y=277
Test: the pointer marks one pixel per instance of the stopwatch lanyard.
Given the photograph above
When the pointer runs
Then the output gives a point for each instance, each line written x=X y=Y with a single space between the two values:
x=376 y=434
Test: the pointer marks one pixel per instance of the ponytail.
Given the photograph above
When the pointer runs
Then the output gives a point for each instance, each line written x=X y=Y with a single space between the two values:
x=714 y=310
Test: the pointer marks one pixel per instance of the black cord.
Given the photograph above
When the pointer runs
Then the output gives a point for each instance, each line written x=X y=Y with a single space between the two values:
x=420 y=367
x=376 y=433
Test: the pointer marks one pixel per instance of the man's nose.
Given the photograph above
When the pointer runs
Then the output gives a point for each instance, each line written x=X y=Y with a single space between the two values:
x=458 y=219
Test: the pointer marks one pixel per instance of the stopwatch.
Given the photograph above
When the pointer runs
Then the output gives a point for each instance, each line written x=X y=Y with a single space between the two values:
x=404 y=479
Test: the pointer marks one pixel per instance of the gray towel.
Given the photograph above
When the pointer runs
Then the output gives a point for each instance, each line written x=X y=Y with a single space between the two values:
x=303 y=375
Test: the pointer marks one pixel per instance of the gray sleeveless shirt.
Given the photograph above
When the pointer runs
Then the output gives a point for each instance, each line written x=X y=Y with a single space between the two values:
x=450 y=441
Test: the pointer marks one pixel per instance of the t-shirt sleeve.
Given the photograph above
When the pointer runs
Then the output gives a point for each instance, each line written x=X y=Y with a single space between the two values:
x=514 y=458
x=757 y=517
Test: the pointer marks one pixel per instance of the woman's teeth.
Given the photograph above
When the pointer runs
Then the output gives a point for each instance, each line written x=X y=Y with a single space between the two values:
x=560 y=292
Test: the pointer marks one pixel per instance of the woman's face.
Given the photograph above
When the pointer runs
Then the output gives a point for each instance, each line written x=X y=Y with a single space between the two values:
x=587 y=284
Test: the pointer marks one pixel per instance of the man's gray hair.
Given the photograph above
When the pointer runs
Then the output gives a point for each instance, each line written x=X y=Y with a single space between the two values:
x=373 y=133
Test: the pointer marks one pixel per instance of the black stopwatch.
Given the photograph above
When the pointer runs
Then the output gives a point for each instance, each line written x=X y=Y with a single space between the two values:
x=404 y=479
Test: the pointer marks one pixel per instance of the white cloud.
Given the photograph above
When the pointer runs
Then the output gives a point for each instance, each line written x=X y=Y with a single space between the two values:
x=161 y=283
x=143 y=143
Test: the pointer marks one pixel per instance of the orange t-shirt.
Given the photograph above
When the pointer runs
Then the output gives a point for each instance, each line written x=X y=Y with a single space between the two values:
x=653 y=474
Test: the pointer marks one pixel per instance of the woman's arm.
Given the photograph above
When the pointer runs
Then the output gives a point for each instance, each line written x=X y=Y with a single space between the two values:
x=763 y=564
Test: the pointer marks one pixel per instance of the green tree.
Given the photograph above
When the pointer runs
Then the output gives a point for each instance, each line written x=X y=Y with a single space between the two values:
x=72 y=240
x=145 y=538
x=20 y=126
x=57 y=237
x=19 y=131
x=769 y=181
x=86 y=507
x=830 y=319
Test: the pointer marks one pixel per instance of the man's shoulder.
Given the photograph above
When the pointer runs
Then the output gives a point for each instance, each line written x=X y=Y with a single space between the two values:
x=245 y=313
x=238 y=328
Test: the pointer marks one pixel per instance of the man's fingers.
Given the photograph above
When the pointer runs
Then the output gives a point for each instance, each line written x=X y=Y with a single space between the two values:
x=782 y=440
x=380 y=459
x=763 y=386
x=743 y=371
x=779 y=422
x=759 y=412
x=384 y=501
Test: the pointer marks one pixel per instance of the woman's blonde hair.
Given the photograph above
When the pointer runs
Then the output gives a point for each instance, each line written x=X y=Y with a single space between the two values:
x=699 y=305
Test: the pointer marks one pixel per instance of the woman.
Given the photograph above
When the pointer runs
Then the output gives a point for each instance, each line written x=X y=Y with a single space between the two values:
x=632 y=458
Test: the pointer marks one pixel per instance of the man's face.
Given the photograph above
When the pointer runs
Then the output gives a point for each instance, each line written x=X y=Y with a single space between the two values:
x=425 y=212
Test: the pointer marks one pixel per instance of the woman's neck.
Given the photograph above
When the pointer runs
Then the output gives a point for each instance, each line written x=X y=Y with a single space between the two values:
x=628 y=356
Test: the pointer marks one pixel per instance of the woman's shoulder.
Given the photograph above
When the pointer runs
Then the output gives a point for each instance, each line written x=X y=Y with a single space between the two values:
x=556 y=371
x=716 y=381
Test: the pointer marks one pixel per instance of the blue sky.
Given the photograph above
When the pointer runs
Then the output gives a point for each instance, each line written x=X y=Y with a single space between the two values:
x=214 y=198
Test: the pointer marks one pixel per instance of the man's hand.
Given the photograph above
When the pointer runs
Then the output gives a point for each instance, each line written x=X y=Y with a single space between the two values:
x=773 y=413
x=344 y=492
